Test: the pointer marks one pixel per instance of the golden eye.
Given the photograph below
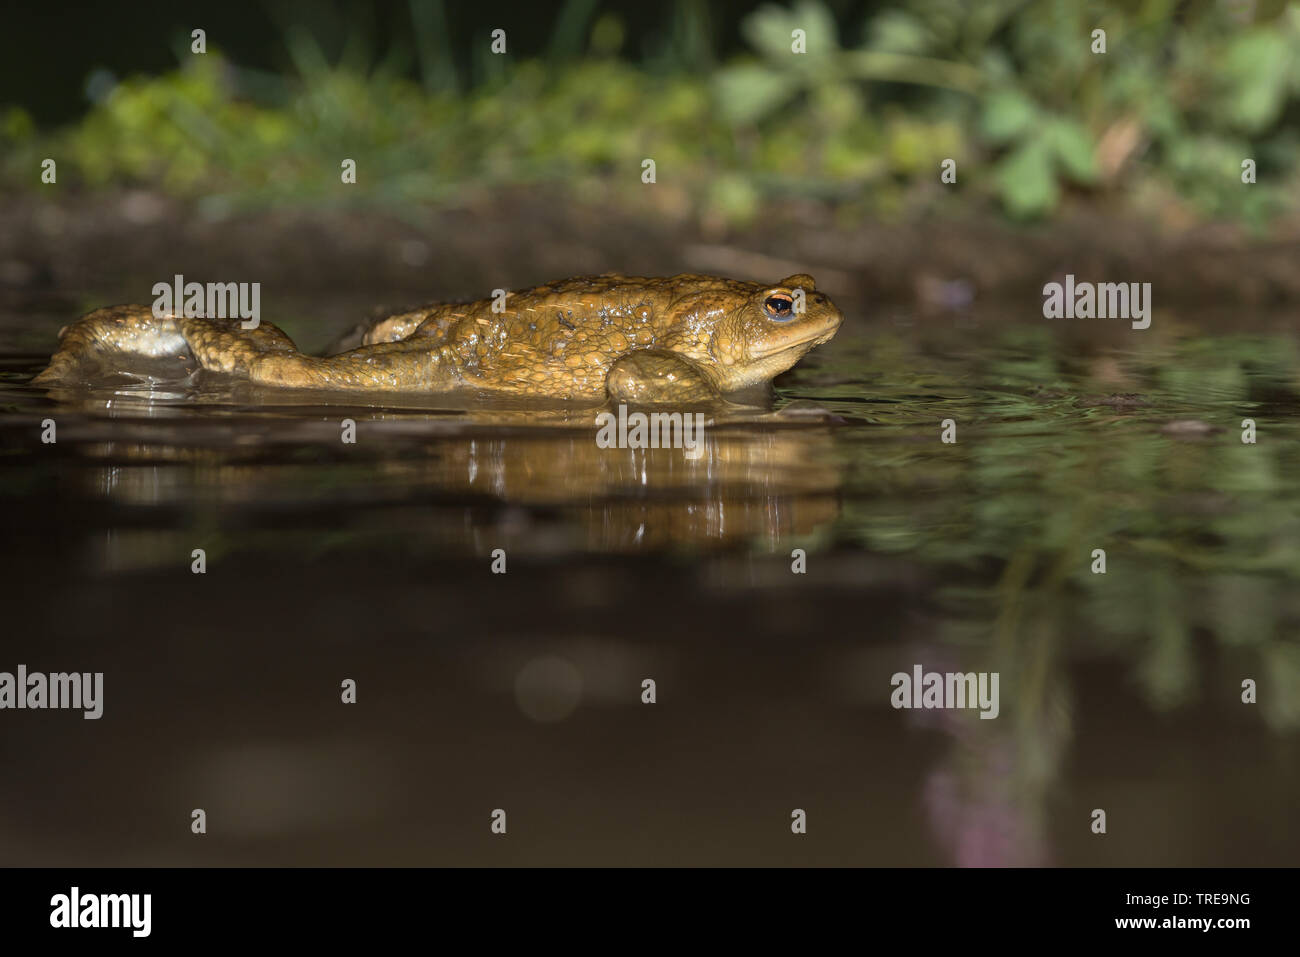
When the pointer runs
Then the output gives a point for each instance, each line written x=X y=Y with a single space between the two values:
x=779 y=306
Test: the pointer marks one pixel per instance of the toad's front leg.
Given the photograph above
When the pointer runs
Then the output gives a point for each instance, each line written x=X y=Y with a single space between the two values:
x=649 y=376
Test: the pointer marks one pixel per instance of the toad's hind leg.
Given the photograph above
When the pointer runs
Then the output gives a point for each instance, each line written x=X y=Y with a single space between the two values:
x=132 y=341
x=127 y=340
x=649 y=376
x=267 y=356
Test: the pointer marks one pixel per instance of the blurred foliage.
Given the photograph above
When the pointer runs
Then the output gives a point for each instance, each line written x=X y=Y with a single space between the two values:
x=1183 y=93
x=1009 y=89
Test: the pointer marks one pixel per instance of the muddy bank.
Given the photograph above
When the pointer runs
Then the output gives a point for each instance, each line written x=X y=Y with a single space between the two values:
x=56 y=253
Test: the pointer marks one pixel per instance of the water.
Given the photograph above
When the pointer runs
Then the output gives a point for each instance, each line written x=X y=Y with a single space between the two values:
x=476 y=691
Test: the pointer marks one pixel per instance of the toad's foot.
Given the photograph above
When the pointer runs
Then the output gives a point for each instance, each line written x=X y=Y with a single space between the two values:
x=98 y=344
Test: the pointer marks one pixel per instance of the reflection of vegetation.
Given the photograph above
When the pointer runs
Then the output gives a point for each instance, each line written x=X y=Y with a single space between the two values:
x=1009 y=89
x=1202 y=536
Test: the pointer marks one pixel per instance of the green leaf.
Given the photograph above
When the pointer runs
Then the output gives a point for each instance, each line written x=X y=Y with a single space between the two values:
x=1007 y=114
x=748 y=92
x=1074 y=149
x=1027 y=181
x=769 y=29
x=1257 y=67
x=896 y=31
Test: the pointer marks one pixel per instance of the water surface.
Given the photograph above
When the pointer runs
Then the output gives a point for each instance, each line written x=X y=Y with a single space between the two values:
x=1120 y=691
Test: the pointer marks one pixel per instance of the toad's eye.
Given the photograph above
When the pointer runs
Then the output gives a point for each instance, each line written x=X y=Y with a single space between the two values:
x=779 y=306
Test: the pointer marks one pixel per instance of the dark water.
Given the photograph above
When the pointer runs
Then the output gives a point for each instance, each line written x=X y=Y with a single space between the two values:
x=476 y=691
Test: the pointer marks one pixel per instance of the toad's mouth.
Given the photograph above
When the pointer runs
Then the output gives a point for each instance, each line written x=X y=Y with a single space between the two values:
x=809 y=340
